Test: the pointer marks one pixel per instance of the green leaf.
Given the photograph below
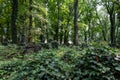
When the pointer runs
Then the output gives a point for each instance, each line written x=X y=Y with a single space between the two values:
x=117 y=68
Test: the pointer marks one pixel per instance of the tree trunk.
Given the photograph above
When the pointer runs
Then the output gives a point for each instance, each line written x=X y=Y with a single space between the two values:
x=42 y=38
x=111 y=11
x=85 y=38
x=1 y=34
x=13 y=20
x=8 y=30
x=66 y=37
x=61 y=34
x=112 y=30
x=47 y=35
x=30 y=21
x=75 y=22
x=58 y=18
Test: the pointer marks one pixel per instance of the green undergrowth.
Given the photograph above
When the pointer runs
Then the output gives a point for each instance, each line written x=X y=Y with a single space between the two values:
x=8 y=52
x=65 y=63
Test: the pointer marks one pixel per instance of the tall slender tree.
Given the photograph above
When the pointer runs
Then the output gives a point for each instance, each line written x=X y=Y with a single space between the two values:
x=30 y=21
x=58 y=20
x=75 y=22
x=13 y=20
x=110 y=6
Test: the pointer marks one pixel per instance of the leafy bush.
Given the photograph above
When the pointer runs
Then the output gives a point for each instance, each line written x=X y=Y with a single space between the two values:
x=92 y=63
x=45 y=45
x=54 y=44
x=6 y=68
x=10 y=51
x=96 y=64
x=43 y=66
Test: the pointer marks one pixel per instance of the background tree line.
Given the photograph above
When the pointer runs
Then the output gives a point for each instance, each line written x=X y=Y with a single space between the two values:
x=64 y=21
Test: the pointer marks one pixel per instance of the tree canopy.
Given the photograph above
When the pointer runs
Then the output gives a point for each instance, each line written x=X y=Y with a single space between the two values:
x=64 y=21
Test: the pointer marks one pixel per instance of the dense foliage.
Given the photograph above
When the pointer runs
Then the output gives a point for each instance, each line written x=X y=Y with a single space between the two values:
x=65 y=21
x=93 y=63
x=59 y=39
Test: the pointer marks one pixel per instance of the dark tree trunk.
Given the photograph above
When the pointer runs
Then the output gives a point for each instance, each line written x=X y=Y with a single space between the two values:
x=13 y=20
x=104 y=35
x=61 y=35
x=112 y=30
x=111 y=11
x=85 y=39
x=75 y=22
x=1 y=34
x=42 y=38
x=66 y=37
x=30 y=21
x=8 y=30
x=57 y=27
x=47 y=35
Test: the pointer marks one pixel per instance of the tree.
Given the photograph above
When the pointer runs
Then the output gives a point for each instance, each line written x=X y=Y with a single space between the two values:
x=30 y=21
x=75 y=22
x=13 y=20
x=110 y=6
x=42 y=20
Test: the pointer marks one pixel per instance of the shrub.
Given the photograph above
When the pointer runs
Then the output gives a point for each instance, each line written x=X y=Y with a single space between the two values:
x=44 y=66
x=54 y=44
x=96 y=64
x=93 y=63
x=8 y=52
x=45 y=45
x=30 y=48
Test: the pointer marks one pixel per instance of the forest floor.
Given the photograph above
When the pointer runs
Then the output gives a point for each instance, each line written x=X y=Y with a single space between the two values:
x=15 y=52
x=12 y=51
x=64 y=63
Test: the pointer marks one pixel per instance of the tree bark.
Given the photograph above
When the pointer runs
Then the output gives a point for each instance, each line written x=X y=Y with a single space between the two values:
x=112 y=30
x=30 y=21
x=58 y=18
x=61 y=34
x=111 y=12
x=75 y=22
x=66 y=37
x=13 y=20
x=85 y=38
